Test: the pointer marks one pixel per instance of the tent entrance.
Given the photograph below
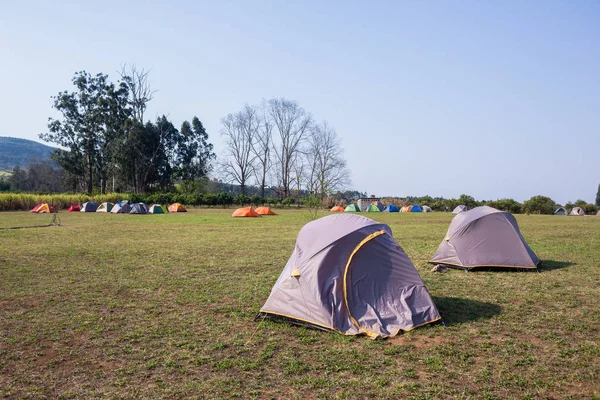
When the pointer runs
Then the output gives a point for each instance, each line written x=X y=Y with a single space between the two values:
x=354 y=307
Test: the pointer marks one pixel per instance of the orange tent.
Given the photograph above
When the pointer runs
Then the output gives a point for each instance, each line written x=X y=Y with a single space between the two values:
x=265 y=211
x=43 y=208
x=245 y=212
x=337 y=209
x=176 y=207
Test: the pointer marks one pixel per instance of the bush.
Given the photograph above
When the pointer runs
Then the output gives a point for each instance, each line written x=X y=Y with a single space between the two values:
x=241 y=199
x=288 y=201
x=539 y=205
x=256 y=200
x=225 y=199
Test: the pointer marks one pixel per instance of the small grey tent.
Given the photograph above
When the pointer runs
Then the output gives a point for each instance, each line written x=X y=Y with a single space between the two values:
x=598 y=213
x=560 y=211
x=577 y=211
x=348 y=275
x=89 y=206
x=122 y=207
x=139 y=208
x=426 y=208
x=156 y=209
x=105 y=207
x=484 y=237
x=459 y=209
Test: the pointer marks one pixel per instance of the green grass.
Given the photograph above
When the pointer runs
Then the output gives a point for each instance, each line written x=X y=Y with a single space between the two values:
x=161 y=306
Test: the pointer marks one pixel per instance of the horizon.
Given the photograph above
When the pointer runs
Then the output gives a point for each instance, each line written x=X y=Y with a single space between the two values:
x=493 y=101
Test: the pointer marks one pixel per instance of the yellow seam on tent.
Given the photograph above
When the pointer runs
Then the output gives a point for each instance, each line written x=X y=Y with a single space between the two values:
x=416 y=326
x=362 y=243
x=303 y=320
x=481 y=265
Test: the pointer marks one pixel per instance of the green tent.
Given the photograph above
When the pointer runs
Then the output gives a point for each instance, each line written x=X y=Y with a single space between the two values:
x=156 y=209
x=373 y=208
x=352 y=208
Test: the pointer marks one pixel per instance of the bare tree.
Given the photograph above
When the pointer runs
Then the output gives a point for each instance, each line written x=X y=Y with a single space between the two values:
x=139 y=89
x=292 y=124
x=261 y=148
x=240 y=130
x=327 y=167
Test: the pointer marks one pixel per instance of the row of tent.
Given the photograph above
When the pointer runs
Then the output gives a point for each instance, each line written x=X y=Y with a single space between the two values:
x=347 y=274
x=376 y=206
x=578 y=211
x=122 y=207
x=250 y=212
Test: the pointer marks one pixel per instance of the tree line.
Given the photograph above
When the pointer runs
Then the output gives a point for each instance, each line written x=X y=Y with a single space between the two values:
x=109 y=146
x=278 y=144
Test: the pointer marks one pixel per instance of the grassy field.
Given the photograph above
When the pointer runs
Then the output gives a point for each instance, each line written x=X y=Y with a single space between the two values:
x=161 y=306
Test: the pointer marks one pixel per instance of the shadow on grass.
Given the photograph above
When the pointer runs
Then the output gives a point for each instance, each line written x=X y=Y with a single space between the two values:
x=455 y=310
x=550 y=265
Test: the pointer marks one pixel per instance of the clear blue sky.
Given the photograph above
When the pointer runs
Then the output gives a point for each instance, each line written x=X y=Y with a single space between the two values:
x=493 y=99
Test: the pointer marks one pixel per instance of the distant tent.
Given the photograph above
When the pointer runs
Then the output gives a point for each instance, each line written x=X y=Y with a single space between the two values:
x=561 y=211
x=391 y=208
x=73 y=208
x=245 y=212
x=352 y=208
x=426 y=208
x=264 y=211
x=89 y=206
x=459 y=209
x=156 y=209
x=105 y=207
x=378 y=204
x=42 y=208
x=414 y=208
x=577 y=211
x=348 y=275
x=484 y=237
x=122 y=207
x=403 y=209
x=373 y=208
x=598 y=213
x=337 y=209
x=176 y=207
x=139 y=208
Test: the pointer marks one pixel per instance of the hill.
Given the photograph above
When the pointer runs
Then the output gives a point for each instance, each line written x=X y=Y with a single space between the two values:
x=20 y=152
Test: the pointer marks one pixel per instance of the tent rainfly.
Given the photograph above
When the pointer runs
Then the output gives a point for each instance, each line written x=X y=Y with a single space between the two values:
x=122 y=207
x=89 y=206
x=577 y=211
x=348 y=275
x=373 y=208
x=337 y=209
x=245 y=212
x=74 y=208
x=484 y=237
x=176 y=207
x=264 y=211
x=43 y=208
x=105 y=207
x=561 y=211
x=459 y=209
x=156 y=209
x=414 y=209
x=352 y=208
x=391 y=208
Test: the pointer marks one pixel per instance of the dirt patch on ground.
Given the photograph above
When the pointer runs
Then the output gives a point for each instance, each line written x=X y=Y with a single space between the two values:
x=420 y=342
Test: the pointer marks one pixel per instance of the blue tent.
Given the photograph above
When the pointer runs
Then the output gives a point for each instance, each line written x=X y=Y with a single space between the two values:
x=391 y=208
x=415 y=209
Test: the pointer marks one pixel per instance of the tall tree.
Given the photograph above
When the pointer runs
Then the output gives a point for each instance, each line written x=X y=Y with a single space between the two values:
x=89 y=118
x=292 y=124
x=139 y=89
x=194 y=153
x=240 y=131
x=262 y=148
x=328 y=172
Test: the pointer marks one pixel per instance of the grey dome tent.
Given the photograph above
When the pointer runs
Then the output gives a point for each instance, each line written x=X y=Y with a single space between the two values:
x=89 y=206
x=348 y=275
x=426 y=208
x=122 y=207
x=459 y=209
x=560 y=211
x=139 y=208
x=484 y=237
x=577 y=211
x=598 y=213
